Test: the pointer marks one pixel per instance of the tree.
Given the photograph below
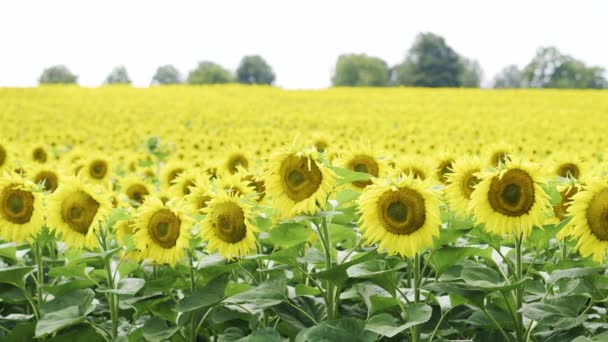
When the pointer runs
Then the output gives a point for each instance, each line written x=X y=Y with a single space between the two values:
x=471 y=73
x=118 y=75
x=360 y=70
x=552 y=69
x=509 y=77
x=167 y=74
x=430 y=63
x=254 y=70
x=57 y=74
x=209 y=73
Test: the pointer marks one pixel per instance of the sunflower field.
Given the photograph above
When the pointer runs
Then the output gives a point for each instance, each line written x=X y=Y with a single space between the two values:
x=236 y=213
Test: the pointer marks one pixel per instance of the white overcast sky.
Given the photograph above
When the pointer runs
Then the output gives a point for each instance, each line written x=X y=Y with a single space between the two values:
x=300 y=39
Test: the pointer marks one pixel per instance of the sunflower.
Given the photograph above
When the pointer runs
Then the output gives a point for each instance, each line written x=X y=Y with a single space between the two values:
x=509 y=199
x=566 y=191
x=4 y=155
x=589 y=224
x=228 y=226
x=461 y=183
x=162 y=231
x=123 y=228
x=298 y=180
x=257 y=183
x=444 y=167
x=135 y=190
x=236 y=161
x=47 y=176
x=415 y=166
x=97 y=170
x=232 y=184
x=21 y=209
x=401 y=215
x=499 y=154
x=568 y=166
x=39 y=154
x=170 y=172
x=199 y=195
x=76 y=210
x=362 y=159
x=183 y=184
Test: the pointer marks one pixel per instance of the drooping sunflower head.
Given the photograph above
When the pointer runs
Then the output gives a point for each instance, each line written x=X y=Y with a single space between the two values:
x=21 y=209
x=228 y=226
x=298 y=181
x=510 y=200
x=162 y=231
x=461 y=184
x=401 y=215
x=589 y=224
x=76 y=211
x=135 y=190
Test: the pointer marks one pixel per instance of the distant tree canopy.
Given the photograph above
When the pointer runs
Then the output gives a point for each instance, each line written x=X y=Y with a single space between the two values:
x=57 y=74
x=254 y=70
x=118 y=75
x=360 y=70
x=432 y=63
x=509 y=77
x=167 y=74
x=471 y=73
x=209 y=73
x=552 y=69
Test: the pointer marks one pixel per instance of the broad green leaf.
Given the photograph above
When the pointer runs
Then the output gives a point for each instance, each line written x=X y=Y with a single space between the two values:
x=233 y=288
x=54 y=319
x=386 y=325
x=372 y=268
x=290 y=234
x=574 y=273
x=78 y=270
x=305 y=290
x=262 y=335
x=80 y=333
x=126 y=286
x=8 y=251
x=156 y=330
x=347 y=195
x=464 y=292
x=341 y=330
x=82 y=298
x=447 y=256
x=557 y=317
x=21 y=332
x=343 y=236
x=348 y=176
x=207 y=295
x=267 y=294
x=375 y=297
x=338 y=273
x=69 y=286
x=14 y=275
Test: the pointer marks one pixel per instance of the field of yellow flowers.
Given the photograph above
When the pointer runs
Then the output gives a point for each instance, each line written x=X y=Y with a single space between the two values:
x=225 y=213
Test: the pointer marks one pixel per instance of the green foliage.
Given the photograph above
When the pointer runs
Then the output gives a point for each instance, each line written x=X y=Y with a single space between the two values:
x=57 y=74
x=360 y=70
x=118 y=75
x=209 y=73
x=254 y=70
x=167 y=74
x=509 y=77
x=431 y=63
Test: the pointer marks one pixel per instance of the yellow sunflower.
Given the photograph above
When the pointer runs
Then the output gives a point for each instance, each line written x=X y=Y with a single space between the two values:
x=362 y=159
x=199 y=195
x=232 y=184
x=162 y=231
x=498 y=154
x=170 y=172
x=4 y=155
x=97 y=170
x=589 y=224
x=297 y=181
x=228 y=226
x=445 y=167
x=21 y=209
x=568 y=166
x=236 y=161
x=135 y=189
x=48 y=176
x=415 y=166
x=184 y=182
x=402 y=216
x=510 y=200
x=76 y=210
x=461 y=183
x=39 y=154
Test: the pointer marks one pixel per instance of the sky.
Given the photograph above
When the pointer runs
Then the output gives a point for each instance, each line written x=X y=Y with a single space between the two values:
x=300 y=39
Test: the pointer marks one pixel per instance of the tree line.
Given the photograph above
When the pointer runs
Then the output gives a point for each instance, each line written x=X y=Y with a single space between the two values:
x=430 y=62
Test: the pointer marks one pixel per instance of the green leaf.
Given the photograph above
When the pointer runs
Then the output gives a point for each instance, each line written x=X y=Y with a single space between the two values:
x=347 y=195
x=343 y=236
x=574 y=273
x=64 y=311
x=126 y=286
x=262 y=335
x=21 y=332
x=375 y=297
x=207 y=295
x=156 y=330
x=348 y=176
x=80 y=333
x=447 y=256
x=14 y=275
x=267 y=294
x=8 y=251
x=386 y=325
x=558 y=317
x=341 y=330
x=236 y=288
x=82 y=298
x=78 y=270
x=290 y=234
x=460 y=293
x=338 y=273
x=372 y=268
x=305 y=290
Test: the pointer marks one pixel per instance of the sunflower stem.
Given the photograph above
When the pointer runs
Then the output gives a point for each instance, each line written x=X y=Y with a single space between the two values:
x=520 y=289
x=112 y=299
x=331 y=299
x=415 y=283
x=39 y=272
x=193 y=329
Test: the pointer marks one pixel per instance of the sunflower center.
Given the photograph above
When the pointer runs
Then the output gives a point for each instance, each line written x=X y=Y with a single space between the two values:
x=174 y=174
x=568 y=170
x=164 y=228
x=235 y=161
x=229 y=224
x=301 y=177
x=512 y=194
x=597 y=215
x=137 y=192
x=2 y=155
x=17 y=205
x=39 y=155
x=203 y=201
x=499 y=157
x=366 y=164
x=78 y=210
x=48 y=179
x=98 y=169
x=186 y=188
x=402 y=212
